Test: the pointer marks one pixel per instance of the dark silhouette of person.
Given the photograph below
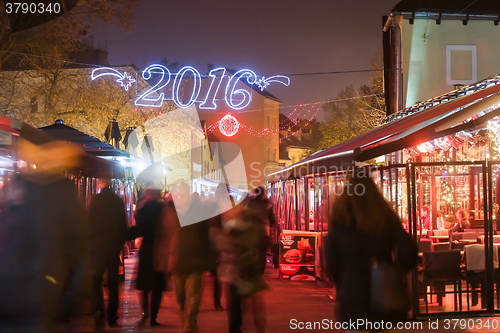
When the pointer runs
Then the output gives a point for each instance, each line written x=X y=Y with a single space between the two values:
x=148 y=218
x=364 y=228
x=42 y=241
x=189 y=256
x=263 y=207
x=108 y=224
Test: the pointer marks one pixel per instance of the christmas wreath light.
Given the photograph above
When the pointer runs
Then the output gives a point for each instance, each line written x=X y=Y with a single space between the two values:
x=228 y=125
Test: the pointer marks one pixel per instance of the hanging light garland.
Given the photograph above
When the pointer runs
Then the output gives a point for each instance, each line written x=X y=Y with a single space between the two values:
x=229 y=125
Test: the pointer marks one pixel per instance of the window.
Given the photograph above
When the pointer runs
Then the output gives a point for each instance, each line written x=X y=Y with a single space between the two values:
x=274 y=155
x=461 y=64
x=275 y=124
x=268 y=154
x=268 y=125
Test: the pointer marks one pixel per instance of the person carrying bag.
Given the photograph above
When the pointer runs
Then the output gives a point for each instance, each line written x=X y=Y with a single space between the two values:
x=368 y=255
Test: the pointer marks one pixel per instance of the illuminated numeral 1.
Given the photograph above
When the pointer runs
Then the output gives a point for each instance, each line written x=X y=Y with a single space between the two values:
x=209 y=102
x=196 y=86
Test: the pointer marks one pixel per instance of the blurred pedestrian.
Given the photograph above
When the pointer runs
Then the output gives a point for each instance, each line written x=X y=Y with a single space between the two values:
x=462 y=221
x=42 y=240
x=264 y=209
x=108 y=224
x=189 y=256
x=148 y=217
x=364 y=230
x=240 y=237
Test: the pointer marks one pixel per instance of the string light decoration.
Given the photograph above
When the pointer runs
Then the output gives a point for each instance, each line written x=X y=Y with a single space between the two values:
x=494 y=134
x=228 y=125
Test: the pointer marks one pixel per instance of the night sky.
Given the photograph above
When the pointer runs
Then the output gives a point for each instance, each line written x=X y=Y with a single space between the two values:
x=266 y=36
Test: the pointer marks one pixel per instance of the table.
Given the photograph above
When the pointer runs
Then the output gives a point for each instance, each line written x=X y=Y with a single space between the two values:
x=439 y=238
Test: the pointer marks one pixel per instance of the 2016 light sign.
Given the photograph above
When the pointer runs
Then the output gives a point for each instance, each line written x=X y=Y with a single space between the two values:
x=236 y=98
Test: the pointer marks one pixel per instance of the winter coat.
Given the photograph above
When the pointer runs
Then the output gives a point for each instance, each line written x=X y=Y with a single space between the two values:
x=349 y=258
x=108 y=223
x=148 y=218
x=190 y=250
x=42 y=239
x=241 y=241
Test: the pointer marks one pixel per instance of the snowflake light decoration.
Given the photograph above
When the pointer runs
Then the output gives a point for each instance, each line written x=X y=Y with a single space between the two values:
x=126 y=81
x=228 y=125
x=262 y=83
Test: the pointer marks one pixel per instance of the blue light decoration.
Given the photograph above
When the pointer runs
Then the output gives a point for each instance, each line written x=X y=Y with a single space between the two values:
x=246 y=96
x=196 y=86
x=124 y=79
x=145 y=99
x=210 y=103
x=236 y=98
x=263 y=83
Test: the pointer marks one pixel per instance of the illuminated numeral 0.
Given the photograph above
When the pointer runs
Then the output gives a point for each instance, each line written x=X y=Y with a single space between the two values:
x=196 y=86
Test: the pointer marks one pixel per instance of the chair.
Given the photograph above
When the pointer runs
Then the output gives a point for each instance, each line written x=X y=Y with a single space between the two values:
x=458 y=246
x=441 y=268
x=475 y=267
x=424 y=246
x=496 y=239
x=441 y=246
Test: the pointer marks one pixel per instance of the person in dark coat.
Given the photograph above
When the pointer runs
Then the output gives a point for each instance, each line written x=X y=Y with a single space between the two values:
x=108 y=224
x=148 y=218
x=42 y=241
x=363 y=228
x=189 y=256
x=264 y=209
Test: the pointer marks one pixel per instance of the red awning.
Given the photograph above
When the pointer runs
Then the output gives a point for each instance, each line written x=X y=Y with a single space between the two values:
x=463 y=113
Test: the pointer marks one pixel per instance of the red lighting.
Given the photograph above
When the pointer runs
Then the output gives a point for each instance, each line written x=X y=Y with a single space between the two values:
x=228 y=125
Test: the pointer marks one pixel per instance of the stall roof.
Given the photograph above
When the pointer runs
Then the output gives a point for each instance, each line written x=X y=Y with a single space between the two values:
x=475 y=105
x=87 y=143
x=462 y=7
x=89 y=166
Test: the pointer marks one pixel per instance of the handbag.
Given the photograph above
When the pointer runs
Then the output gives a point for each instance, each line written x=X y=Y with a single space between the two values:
x=248 y=287
x=389 y=294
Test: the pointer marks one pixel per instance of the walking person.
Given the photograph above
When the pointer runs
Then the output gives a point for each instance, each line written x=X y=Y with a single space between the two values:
x=363 y=231
x=240 y=237
x=42 y=240
x=264 y=208
x=108 y=224
x=189 y=256
x=149 y=280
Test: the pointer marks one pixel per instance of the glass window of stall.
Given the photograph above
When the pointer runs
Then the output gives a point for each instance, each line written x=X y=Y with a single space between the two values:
x=394 y=189
x=312 y=197
x=301 y=204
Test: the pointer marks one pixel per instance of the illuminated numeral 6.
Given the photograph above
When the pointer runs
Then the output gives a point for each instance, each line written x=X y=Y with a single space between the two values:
x=231 y=91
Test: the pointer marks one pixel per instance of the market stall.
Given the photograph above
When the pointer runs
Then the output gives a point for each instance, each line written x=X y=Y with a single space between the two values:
x=430 y=161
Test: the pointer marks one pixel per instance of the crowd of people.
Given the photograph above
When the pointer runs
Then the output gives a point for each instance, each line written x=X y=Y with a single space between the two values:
x=55 y=254
x=231 y=243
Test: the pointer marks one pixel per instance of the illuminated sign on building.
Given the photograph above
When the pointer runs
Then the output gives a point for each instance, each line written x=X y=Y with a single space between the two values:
x=236 y=95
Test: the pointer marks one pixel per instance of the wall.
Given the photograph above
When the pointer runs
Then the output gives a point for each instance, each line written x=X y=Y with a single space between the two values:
x=424 y=62
x=254 y=149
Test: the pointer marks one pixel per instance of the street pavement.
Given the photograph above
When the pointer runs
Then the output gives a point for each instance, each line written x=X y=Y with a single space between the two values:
x=292 y=306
